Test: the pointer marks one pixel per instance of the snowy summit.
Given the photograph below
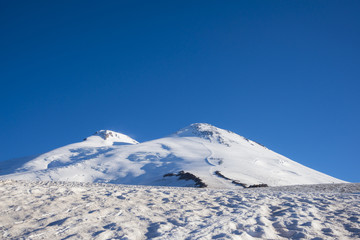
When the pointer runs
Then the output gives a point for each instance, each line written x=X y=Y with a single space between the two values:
x=200 y=155
x=212 y=134
x=111 y=137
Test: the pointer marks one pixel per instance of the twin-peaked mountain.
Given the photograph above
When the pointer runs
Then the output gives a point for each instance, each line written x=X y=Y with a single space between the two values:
x=199 y=155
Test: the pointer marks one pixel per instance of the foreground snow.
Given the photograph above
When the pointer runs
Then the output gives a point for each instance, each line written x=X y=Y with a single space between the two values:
x=53 y=210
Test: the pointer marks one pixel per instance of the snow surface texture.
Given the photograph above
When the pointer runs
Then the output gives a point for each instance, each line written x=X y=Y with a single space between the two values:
x=211 y=156
x=64 y=210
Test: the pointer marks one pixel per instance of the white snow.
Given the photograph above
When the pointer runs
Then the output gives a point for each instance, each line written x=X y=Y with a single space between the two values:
x=67 y=210
x=111 y=137
x=65 y=193
x=200 y=149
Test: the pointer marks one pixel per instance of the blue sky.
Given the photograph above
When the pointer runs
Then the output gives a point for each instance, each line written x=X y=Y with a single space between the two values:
x=283 y=73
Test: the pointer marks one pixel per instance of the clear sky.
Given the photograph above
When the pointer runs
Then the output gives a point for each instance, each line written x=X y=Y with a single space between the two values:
x=283 y=73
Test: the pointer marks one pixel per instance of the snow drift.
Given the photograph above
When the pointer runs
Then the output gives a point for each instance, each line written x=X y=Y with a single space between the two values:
x=65 y=210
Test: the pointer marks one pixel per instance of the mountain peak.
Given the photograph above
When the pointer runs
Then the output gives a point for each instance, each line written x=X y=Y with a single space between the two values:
x=209 y=132
x=112 y=136
x=198 y=129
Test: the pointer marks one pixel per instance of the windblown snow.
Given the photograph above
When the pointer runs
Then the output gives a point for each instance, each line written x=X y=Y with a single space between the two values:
x=200 y=155
x=65 y=210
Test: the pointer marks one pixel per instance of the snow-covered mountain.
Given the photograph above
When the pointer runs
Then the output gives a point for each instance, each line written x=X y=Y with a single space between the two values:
x=199 y=155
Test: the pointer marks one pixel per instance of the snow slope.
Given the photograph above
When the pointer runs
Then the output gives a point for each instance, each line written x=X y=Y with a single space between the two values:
x=198 y=155
x=65 y=210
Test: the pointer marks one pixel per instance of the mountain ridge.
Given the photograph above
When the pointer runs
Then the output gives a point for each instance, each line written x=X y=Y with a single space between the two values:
x=112 y=136
x=197 y=155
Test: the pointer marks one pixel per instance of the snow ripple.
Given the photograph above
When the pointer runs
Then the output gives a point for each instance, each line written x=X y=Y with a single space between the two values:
x=65 y=210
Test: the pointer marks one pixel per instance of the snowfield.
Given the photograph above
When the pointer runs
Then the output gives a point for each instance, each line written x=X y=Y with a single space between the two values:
x=67 y=210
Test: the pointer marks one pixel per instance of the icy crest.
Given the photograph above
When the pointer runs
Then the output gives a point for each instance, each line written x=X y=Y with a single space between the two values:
x=115 y=136
x=211 y=133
